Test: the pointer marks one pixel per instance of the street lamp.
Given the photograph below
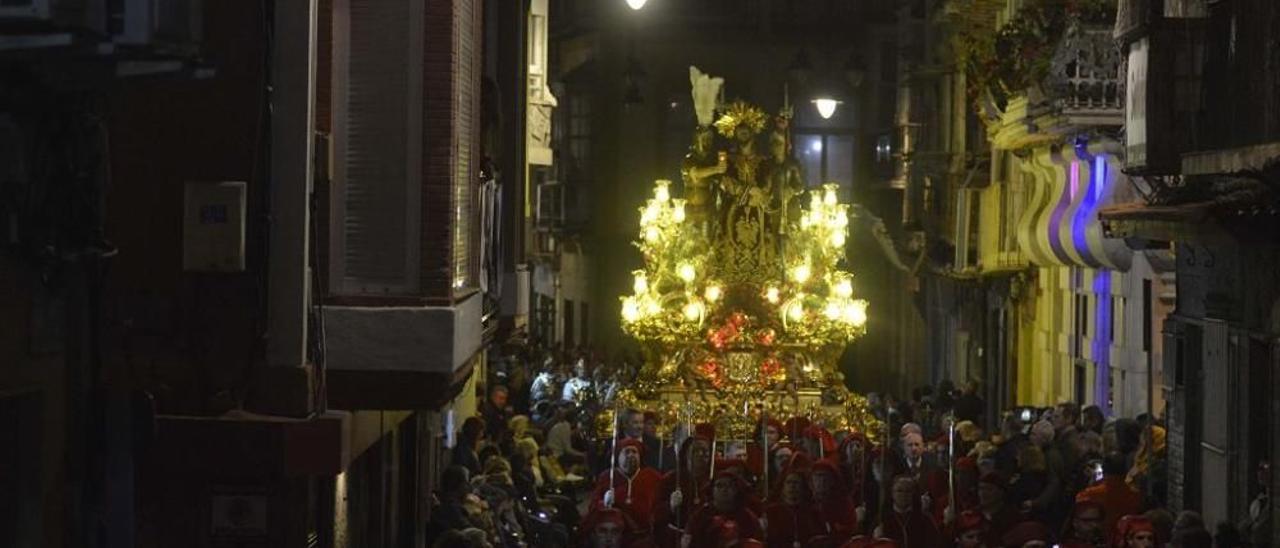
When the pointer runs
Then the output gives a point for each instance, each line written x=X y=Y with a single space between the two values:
x=826 y=106
x=636 y=4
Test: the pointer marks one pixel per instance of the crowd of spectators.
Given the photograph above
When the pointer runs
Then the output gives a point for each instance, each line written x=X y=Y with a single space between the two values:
x=527 y=470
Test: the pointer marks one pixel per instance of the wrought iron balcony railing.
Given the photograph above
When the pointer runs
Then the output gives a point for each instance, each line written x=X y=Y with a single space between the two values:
x=1085 y=75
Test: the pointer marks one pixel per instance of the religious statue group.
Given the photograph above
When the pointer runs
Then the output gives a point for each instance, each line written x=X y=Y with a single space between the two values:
x=742 y=200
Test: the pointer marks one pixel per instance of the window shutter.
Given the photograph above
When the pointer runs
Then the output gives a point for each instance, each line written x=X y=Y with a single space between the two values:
x=465 y=184
x=377 y=175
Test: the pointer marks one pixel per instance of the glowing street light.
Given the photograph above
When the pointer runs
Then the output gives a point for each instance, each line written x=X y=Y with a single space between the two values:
x=826 y=106
x=636 y=4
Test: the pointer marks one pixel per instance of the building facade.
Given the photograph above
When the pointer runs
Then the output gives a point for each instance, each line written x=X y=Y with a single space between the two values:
x=252 y=304
x=1005 y=160
x=1202 y=141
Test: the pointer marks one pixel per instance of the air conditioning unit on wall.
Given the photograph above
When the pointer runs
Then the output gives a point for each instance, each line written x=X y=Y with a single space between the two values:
x=173 y=24
x=169 y=26
x=72 y=15
x=27 y=10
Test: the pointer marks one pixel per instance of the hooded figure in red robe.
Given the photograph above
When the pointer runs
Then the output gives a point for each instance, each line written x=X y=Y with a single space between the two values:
x=1085 y=528
x=684 y=490
x=728 y=502
x=763 y=441
x=968 y=530
x=1134 y=531
x=868 y=542
x=607 y=528
x=835 y=510
x=790 y=521
x=739 y=468
x=728 y=535
x=634 y=487
x=795 y=427
x=818 y=442
x=905 y=522
x=855 y=460
x=1028 y=533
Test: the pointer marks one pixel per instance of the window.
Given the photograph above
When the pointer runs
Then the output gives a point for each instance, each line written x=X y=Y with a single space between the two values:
x=569 y=324
x=826 y=158
x=467 y=124
x=545 y=316
x=579 y=136
x=377 y=143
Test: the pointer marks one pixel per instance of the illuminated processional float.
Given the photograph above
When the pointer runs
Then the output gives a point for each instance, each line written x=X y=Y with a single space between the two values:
x=743 y=307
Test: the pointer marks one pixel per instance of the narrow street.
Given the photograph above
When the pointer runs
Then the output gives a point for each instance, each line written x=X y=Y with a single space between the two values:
x=639 y=273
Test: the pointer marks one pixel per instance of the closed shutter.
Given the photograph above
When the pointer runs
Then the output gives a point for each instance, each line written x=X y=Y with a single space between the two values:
x=465 y=183
x=377 y=90
x=1216 y=421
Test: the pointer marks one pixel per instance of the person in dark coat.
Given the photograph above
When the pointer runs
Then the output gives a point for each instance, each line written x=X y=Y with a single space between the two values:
x=970 y=406
x=496 y=412
x=999 y=515
x=465 y=451
x=451 y=514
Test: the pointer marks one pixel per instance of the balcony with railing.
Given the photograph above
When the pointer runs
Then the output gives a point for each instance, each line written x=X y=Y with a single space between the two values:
x=1084 y=84
x=1049 y=72
x=1052 y=88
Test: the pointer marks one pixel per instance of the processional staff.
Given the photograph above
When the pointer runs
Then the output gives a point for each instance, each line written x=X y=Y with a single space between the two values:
x=884 y=462
x=764 y=447
x=613 y=450
x=661 y=445
x=681 y=462
x=951 y=459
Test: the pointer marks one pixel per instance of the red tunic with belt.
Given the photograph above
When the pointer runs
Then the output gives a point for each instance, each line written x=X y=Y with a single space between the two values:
x=705 y=528
x=911 y=529
x=633 y=495
x=789 y=524
x=668 y=525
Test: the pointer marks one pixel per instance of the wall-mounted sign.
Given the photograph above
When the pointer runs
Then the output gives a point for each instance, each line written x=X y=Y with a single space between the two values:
x=238 y=515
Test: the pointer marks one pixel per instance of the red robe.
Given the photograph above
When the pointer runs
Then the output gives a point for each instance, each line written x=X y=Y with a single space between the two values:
x=837 y=517
x=789 y=524
x=1000 y=523
x=703 y=527
x=635 y=495
x=667 y=525
x=912 y=529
